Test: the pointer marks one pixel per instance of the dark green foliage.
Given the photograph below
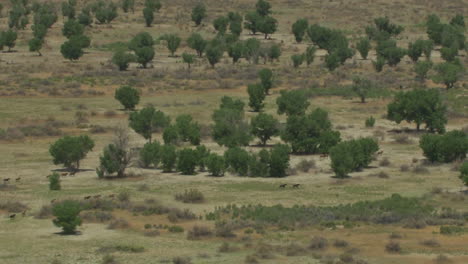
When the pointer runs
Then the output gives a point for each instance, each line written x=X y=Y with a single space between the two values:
x=72 y=28
x=214 y=52
x=220 y=24
x=215 y=164
x=390 y=52
x=310 y=133
x=334 y=41
x=464 y=173
x=353 y=155
x=230 y=128
x=187 y=161
x=128 y=96
x=235 y=51
x=190 y=196
x=188 y=58
x=105 y=13
x=267 y=25
x=150 y=154
x=70 y=150
x=148 y=15
x=362 y=87
x=68 y=10
x=279 y=160
x=128 y=5
x=448 y=147
x=458 y=20
x=446 y=34
x=171 y=135
x=332 y=61
x=144 y=55
x=309 y=55
x=363 y=46
x=67 y=215
x=299 y=29
x=378 y=65
x=256 y=96
x=422 y=68
x=85 y=18
x=252 y=50
x=45 y=14
x=419 y=106
x=35 y=45
x=202 y=154
x=266 y=78
x=141 y=40
x=198 y=13
x=252 y=21
x=172 y=42
x=264 y=126
x=187 y=129
x=147 y=120
x=8 y=38
x=122 y=59
x=263 y=7
x=449 y=53
x=54 y=182
x=115 y=159
x=82 y=40
x=196 y=42
x=383 y=29
x=415 y=50
x=168 y=157
x=274 y=53
x=370 y=121
x=292 y=102
x=448 y=73
x=235 y=23
x=297 y=60
x=71 y=50
x=154 y=5
x=39 y=31
x=237 y=160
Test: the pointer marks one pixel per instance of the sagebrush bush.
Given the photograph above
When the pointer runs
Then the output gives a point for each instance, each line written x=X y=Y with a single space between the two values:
x=393 y=247
x=190 y=196
x=370 y=122
x=199 y=232
x=305 y=165
x=54 y=182
x=318 y=243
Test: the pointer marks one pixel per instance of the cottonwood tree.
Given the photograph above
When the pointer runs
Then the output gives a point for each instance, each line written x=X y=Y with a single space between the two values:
x=172 y=42
x=221 y=24
x=8 y=38
x=352 y=155
x=448 y=147
x=448 y=73
x=266 y=79
x=422 y=68
x=117 y=156
x=72 y=50
x=267 y=26
x=142 y=45
x=35 y=45
x=188 y=129
x=168 y=157
x=299 y=29
x=198 y=13
x=122 y=59
x=279 y=160
x=148 y=120
x=69 y=150
x=187 y=160
x=363 y=46
x=415 y=50
x=237 y=159
x=235 y=51
x=264 y=126
x=292 y=102
x=361 y=87
x=216 y=165
x=148 y=14
x=128 y=96
x=150 y=154
x=230 y=128
x=256 y=96
x=196 y=42
x=214 y=52
x=309 y=55
x=188 y=58
x=235 y=23
x=72 y=28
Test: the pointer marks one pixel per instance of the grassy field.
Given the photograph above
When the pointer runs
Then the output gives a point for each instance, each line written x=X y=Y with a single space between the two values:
x=50 y=91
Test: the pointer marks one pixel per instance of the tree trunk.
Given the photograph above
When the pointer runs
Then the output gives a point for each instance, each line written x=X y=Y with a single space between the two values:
x=363 y=99
x=418 y=126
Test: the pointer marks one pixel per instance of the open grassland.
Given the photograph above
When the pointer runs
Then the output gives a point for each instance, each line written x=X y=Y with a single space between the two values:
x=51 y=92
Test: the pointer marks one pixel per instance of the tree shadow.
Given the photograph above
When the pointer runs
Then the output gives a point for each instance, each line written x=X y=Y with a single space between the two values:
x=71 y=170
x=76 y=233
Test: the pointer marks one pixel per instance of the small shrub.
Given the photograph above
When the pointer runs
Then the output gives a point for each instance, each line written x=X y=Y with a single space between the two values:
x=404 y=168
x=109 y=259
x=346 y=258
x=415 y=223
x=190 y=196
x=430 y=243
x=226 y=248
x=264 y=251
x=124 y=196
x=305 y=165
x=385 y=162
x=181 y=260
x=176 y=229
x=394 y=235
x=339 y=243
x=294 y=249
x=318 y=243
x=251 y=260
x=393 y=247
x=199 y=232
x=44 y=212
x=119 y=223
x=152 y=233
x=370 y=122
x=451 y=230
x=420 y=170
x=54 y=182
x=224 y=229
x=402 y=139
x=442 y=259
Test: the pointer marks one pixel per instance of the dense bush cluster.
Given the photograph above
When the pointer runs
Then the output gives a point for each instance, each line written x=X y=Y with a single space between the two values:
x=448 y=147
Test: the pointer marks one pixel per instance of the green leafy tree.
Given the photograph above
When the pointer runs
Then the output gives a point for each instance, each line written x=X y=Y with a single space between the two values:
x=122 y=59
x=419 y=106
x=378 y=64
x=235 y=51
x=256 y=96
x=168 y=157
x=82 y=40
x=383 y=29
x=362 y=87
x=252 y=21
x=35 y=45
x=422 y=68
x=297 y=60
x=198 y=13
x=428 y=45
x=464 y=173
x=187 y=161
x=71 y=50
x=54 y=182
x=144 y=55
x=352 y=155
x=415 y=50
x=172 y=42
x=171 y=135
x=221 y=24
x=363 y=46
x=188 y=58
x=8 y=38
x=196 y=42
x=188 y=129
x=292 y=102
x=235 y=23
x=279 y=160
x=266 y=78
x=72 y=28
x=68 y=10
x=230 y=129
x=332 y=61
x=268 y=25
x=252 y=50
x=448 y=147
x=237 y=160
x=69 y=151
x=154 y=5
x=128 y=96
x=39 y=31
x=264 y=126
x=216 y=165
x=85 y=18
x=148 y=120
x=449 y=54
x=148 y=14
x=263 y=8
x=150 y=154
x=141 y=40
x=448 y=73
x=299 y=29
x=274 y=53
x=214 y=53
x=202 y=154
x=128 y=5
x=309 y=55
x=67 y=215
